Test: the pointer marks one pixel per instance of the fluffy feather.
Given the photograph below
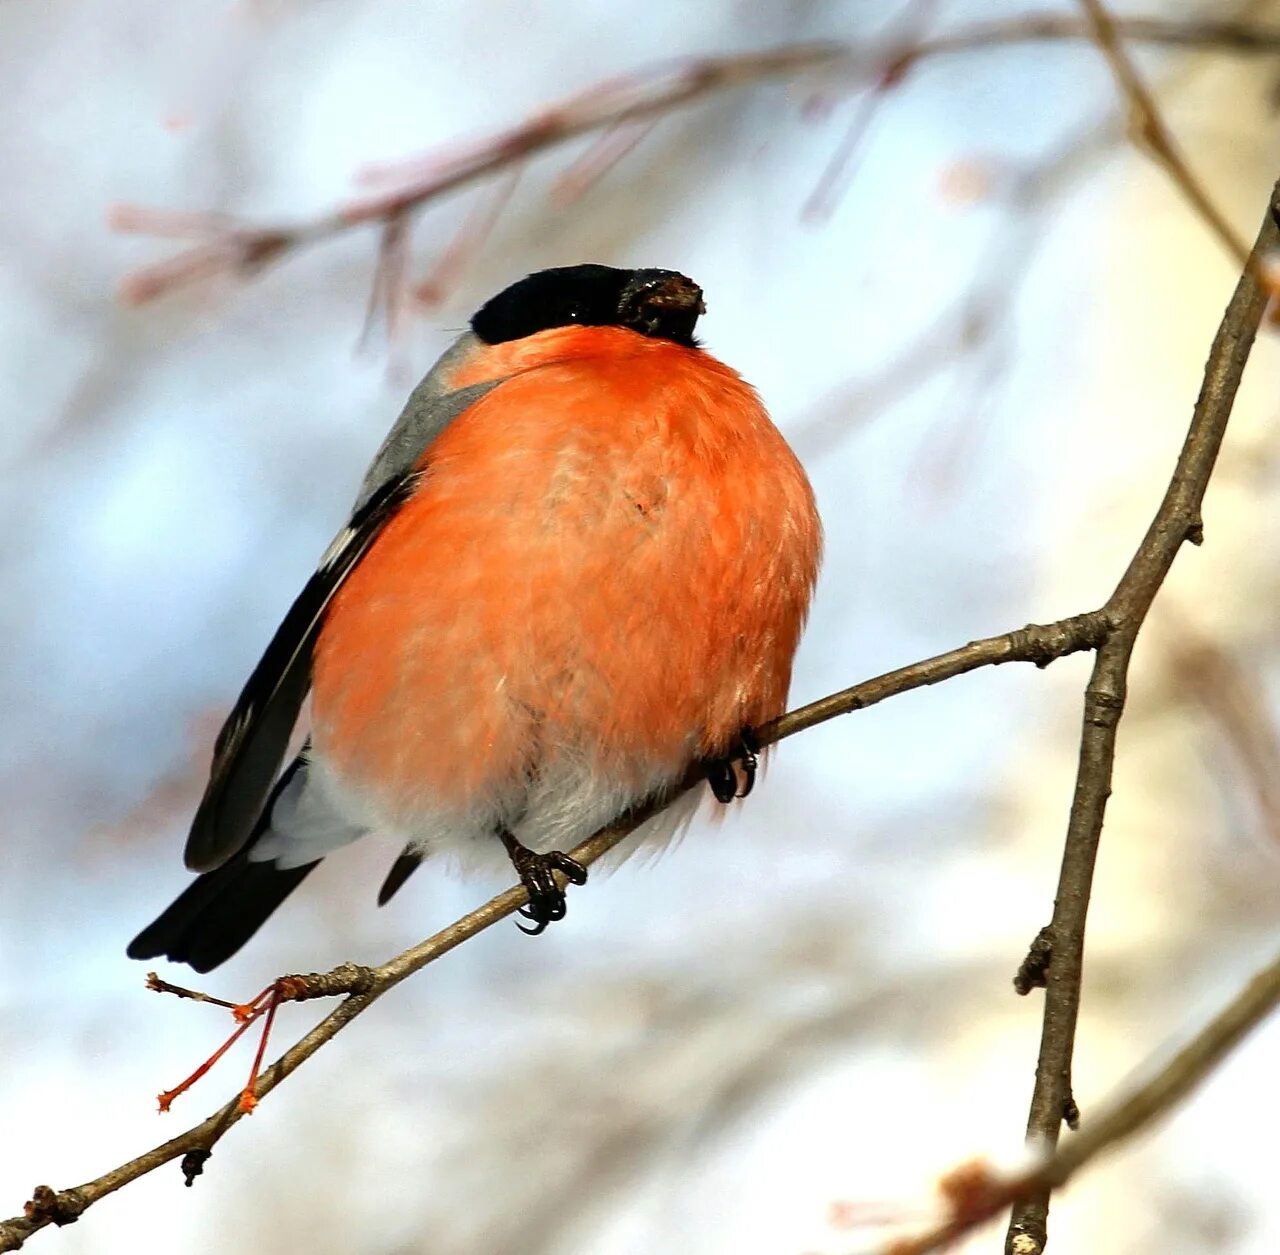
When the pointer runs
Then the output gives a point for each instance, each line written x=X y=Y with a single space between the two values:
x=579 y=563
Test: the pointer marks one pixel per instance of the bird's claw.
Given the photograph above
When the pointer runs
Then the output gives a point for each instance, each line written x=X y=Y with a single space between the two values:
x=546 y=898
x=734 y=776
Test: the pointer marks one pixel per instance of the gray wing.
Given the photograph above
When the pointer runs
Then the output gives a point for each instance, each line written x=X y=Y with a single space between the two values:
x=252 y=743
x=430 y=409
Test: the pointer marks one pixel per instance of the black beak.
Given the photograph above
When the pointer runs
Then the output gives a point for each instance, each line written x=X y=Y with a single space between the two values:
x=663 y=304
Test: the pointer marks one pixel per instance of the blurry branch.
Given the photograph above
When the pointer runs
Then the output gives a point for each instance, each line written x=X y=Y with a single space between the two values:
x=230 y=246
x=622 y=110
x=898 y=42
x=975 y=1193
x=1059 y=951
x=1039 y=644
x=1226 y=35
x=1149 y=131
x=698 y=1053
x=976 y=331
x=1208 y=675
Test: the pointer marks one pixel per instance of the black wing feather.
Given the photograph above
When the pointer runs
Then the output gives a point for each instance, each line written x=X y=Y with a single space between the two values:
x=401 y=870
x=255 y=737
x=219 y=911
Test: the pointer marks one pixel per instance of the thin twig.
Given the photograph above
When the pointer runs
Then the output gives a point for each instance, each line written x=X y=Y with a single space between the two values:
x=1176 y=522
x=1226 y=35
x=900 y=43
x=164 y=987
x=1207 y=674
x=987 y=1194
x=613 y=144
x=1150 y=133
x=1038 y=644
x=466 y=245
x=389 y=294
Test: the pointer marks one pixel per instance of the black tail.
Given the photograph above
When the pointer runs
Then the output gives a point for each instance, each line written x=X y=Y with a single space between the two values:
x=209 y=922
x=217 y=914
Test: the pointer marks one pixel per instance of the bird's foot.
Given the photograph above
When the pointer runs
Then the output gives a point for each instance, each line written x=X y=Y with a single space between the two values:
x=537 y=875
x=734 y=775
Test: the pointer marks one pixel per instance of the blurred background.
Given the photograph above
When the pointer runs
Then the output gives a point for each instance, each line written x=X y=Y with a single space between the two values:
x=982 y=330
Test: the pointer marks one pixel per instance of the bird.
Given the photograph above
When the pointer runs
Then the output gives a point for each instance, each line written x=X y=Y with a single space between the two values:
x=576 y=571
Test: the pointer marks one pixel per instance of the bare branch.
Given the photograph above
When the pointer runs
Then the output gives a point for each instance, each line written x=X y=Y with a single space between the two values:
x=159 y=986
x=1226 y=35
x=1150 y=133
x=1176 y=522
x=622 y=107
x=1033 y=643
x=985 y=1194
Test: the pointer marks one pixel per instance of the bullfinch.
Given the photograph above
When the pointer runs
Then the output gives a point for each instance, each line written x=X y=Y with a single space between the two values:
x=576 y=570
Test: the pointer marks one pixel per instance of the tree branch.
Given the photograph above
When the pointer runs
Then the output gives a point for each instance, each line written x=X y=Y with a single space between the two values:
x=227 y=245
x=1038 y=644
x=1176 y=521
x=977 y=1194
x=1149 y=132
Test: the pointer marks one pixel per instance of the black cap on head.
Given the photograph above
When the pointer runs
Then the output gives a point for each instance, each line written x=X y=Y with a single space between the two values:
x=659 y=303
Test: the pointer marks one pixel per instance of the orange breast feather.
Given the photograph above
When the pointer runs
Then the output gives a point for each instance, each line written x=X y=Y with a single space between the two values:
x=610 y=557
